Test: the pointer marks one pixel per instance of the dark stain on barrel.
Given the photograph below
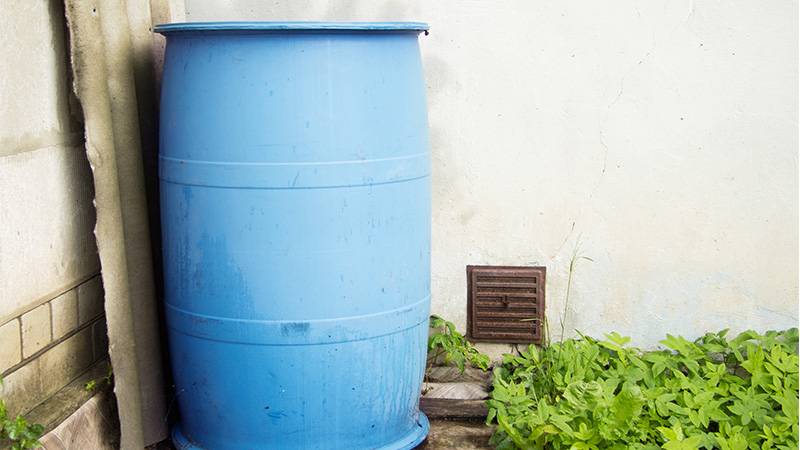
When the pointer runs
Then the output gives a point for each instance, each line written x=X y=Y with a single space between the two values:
x=295 y=328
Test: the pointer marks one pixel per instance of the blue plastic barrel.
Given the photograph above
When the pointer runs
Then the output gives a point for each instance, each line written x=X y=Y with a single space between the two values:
x=295 y=197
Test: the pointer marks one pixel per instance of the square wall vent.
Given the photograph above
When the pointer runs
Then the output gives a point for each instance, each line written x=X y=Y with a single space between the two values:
x=505 y=304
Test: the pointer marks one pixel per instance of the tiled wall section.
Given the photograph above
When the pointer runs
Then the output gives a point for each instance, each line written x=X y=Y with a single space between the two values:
x=49 y=345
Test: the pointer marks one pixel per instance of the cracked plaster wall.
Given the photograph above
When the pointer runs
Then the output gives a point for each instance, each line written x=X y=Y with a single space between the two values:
x=662 y=135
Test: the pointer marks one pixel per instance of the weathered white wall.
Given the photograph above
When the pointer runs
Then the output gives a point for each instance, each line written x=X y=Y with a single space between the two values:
x=46 y=241
x=662 y=135
x=51 y=299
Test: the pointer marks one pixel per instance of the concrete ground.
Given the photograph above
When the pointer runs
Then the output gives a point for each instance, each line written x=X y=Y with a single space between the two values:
x=457 y=434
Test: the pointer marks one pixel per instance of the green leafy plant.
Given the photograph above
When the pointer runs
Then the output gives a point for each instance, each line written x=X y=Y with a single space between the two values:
x=17 y=433
x=91 y=385
x=711 y=393
x=446 y=342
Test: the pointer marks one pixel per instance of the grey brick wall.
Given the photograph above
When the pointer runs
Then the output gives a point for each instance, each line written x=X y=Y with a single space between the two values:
x=45 y=348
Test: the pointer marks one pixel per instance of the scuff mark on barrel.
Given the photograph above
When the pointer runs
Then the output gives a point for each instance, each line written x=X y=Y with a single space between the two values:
x=295 y=328
x=277 y=415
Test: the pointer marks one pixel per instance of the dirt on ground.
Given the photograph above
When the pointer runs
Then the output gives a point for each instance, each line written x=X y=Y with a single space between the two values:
x=457 y=435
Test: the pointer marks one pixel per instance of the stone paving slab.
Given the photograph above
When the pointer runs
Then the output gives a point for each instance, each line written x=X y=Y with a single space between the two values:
x=457 y=435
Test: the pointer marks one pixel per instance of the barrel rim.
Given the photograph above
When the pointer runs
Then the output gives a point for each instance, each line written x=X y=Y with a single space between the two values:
x=168 y=28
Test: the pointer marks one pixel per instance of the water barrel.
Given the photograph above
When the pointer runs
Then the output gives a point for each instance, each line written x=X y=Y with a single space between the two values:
x=295 y=207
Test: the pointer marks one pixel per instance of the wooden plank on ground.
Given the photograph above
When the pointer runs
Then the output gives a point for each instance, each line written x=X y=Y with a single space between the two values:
x=456 y=391
x=453 y=408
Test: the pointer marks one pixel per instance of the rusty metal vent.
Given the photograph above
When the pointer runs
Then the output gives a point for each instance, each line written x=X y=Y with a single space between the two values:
x=505 y=303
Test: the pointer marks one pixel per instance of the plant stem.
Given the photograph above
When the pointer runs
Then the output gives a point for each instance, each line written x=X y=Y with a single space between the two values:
x=569 y=286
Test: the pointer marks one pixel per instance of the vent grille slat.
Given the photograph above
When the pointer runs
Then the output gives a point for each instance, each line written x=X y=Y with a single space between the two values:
x=505 y=304
x=500 y=303
x=526 y=315
x=504 y=325
x=503 y=284
x=505 y=335
x=506 y=276
x=517 y=313
x=505 y=292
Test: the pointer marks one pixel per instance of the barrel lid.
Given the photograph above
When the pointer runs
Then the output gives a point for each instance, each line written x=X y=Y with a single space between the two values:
x=169 y=28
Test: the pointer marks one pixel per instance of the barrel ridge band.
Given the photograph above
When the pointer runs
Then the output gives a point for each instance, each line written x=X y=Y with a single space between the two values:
x=298 y=332
x=294 y=175
x=168 y=28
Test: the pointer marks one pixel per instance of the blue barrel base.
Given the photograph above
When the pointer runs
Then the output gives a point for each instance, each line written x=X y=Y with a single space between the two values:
x=407 y=442
x=412 y=439
x=180 y=442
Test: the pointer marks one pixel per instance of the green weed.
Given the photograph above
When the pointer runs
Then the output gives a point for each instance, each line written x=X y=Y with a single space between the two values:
x=713 y=393
x=445 y=341
x=17 y=433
